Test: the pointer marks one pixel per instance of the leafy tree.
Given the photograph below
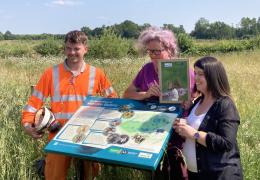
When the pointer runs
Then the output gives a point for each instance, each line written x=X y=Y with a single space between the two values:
x=201 y=30
x=9 y=36
x=176 y=30
x=108 y=45
x=49 y=47
x=220 y=30
x=127 y=29
x=217 y=30
x=258 y=25
x=86 y=30
x=97 y=32
x=1 y=36
x=144 y=26
x=248 y=27
x=186 y=43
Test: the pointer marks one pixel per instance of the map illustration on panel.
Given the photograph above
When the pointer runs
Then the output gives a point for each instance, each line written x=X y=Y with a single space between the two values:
x=105 y=126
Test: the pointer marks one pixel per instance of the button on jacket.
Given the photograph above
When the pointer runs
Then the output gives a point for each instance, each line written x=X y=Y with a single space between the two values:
x=221 y=158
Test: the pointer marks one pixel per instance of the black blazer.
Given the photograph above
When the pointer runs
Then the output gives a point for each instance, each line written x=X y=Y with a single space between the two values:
x=221 y=158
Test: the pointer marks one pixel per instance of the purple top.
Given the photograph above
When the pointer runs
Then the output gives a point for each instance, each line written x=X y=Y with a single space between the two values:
x=147 y=77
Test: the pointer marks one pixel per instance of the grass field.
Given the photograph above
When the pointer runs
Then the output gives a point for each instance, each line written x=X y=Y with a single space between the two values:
x=18 y=151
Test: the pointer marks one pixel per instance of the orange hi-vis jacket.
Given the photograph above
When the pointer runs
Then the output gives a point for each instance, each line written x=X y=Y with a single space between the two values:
x=67 y=91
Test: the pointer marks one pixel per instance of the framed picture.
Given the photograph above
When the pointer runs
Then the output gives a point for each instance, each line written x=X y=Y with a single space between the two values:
x=174 y=80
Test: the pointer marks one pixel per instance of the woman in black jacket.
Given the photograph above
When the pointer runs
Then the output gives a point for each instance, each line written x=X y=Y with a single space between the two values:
x=210 y=148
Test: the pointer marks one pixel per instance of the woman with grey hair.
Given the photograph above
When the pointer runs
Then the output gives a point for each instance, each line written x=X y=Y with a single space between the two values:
x=159 y=44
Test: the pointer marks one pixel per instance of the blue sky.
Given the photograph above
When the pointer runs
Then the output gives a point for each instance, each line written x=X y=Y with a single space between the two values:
x=61 y=16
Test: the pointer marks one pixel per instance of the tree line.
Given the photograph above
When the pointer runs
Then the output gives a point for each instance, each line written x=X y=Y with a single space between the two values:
x=247 y=28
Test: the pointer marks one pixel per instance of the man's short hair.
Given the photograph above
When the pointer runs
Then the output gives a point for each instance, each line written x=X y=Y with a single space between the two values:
x=76 y=37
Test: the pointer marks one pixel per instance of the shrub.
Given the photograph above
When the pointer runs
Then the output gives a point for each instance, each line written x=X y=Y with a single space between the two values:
x=109 y=45
x=133 y=51
x=49 y=47
x=20 y=51
x=186 y=43
x=255 y=41
x=226 y=46
x=15 y=48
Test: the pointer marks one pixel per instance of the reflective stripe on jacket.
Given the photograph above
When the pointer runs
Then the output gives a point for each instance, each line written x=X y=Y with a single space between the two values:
x=66 y=91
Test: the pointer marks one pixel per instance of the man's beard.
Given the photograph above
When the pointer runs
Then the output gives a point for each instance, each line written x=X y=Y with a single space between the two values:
x=73 y=59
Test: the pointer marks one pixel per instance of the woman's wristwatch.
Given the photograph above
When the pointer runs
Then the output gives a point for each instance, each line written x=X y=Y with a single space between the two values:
x=196 y=136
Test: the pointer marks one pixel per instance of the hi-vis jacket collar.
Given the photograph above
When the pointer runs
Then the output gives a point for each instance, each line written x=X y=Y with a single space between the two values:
x=83 y=68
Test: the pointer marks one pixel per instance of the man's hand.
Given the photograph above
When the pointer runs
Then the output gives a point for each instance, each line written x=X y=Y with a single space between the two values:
x=29 y=129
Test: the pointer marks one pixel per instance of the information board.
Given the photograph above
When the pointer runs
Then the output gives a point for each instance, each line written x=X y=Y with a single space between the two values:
x=117 y=131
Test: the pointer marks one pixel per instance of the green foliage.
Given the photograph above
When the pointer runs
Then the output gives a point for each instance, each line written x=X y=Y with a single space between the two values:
x=109 y=45
x=20 y=51
x=217 y=30
x=176 y=30
x=255 y=42
x=127 y=29
x=15 y=48
x=9 y=36
x=201 y=29
x=133 y=51
x=248 y=27
x=1 y=36
x=18 y=151
x=186 y=43
x=226 y=46
x=49 y=47
x=220 y=30
x=16 y=159
x=86 y=30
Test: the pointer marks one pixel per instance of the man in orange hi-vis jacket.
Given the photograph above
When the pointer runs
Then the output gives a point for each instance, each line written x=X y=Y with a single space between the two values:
x=67 y=84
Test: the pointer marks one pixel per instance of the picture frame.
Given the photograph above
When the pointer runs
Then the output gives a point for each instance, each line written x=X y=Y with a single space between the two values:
x=174 y=80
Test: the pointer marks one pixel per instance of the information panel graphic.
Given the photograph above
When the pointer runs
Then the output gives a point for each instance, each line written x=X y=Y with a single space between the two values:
x=117 y=131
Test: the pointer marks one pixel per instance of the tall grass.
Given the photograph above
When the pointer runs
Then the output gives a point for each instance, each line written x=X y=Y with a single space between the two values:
x=18 y=151
x=17 y=48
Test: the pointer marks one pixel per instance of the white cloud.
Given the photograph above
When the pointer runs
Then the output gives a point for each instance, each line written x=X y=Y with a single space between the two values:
x=64 y=3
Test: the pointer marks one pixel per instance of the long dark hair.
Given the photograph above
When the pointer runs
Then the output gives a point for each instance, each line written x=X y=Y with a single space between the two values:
x=215 y=74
